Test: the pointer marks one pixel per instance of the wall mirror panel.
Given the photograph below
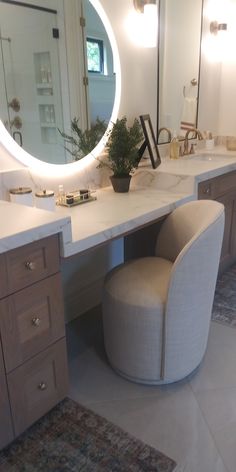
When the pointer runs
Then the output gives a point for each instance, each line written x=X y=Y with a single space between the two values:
x=180 y=24
x=44 y=78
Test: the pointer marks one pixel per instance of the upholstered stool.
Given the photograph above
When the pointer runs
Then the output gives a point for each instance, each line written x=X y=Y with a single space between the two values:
x=157 y=310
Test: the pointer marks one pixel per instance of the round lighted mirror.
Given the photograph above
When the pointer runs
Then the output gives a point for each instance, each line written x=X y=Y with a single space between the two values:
x=59 y=68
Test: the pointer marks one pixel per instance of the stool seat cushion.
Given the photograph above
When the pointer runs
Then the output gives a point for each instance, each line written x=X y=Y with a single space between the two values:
x=143 y=282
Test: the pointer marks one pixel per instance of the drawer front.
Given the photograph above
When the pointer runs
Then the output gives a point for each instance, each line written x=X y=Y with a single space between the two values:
x=31 y=320
x=6 y=430
x=205 y=190
x=3 y=278
x=217 y=186
x=38 y=385
x=31 y=263
x=225 y=183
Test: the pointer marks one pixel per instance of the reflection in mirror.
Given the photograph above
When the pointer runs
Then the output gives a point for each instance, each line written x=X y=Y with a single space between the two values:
x=44 y=78
x=179 y=58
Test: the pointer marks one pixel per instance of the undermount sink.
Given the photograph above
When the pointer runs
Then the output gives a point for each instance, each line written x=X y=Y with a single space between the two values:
x=208 y=157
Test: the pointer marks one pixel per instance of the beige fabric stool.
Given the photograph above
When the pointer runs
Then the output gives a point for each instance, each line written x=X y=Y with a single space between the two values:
x=157 y=310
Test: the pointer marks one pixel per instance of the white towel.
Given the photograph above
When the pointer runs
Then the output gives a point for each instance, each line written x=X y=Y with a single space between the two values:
x=189 y=113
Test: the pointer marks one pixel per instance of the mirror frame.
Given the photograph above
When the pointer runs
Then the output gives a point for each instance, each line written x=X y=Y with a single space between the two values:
x=158 y=69
x=66 y=169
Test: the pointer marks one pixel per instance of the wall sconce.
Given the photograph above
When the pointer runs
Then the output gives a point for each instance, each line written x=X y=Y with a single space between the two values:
x=139 y=4
x=148 y=8
x=215 y=27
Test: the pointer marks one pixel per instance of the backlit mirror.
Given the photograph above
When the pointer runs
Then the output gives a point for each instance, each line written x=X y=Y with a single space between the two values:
x=56 y=64
x=179 y=57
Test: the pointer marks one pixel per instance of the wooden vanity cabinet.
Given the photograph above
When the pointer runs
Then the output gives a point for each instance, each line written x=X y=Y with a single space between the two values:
x=223 y=189
x=33 y=367
x=6 y=427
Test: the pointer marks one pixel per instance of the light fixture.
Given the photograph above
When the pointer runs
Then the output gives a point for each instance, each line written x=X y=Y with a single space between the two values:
x=215 y=27
x=139 y=4
x=148 y=11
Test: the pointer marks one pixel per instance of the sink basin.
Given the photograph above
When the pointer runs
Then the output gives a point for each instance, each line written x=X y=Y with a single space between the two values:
x=208 y=157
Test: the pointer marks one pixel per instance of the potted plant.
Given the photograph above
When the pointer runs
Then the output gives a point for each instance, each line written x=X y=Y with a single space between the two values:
x=122 y=158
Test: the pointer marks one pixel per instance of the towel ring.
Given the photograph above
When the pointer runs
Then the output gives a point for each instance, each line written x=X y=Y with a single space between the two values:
x=193 y=82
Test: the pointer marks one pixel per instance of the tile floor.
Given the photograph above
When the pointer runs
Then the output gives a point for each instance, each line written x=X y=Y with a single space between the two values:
x=193 y=421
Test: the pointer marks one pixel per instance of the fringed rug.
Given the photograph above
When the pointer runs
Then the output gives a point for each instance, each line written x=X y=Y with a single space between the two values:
x=224 y=306
x=71 y=438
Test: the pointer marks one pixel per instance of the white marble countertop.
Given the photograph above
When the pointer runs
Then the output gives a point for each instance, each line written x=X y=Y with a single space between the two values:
x=21 y=225
x=113 y=215
x=153 y=194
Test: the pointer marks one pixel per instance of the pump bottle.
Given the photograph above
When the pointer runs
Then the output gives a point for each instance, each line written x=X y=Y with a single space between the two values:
x=174 y=147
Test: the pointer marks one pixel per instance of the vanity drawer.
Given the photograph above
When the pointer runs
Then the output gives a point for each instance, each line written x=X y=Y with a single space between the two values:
x=205 y=190
x=3 y=278
x=30 y=320
x=38 y=385
x=218 y=186
x=6 y=430
x=32 y=262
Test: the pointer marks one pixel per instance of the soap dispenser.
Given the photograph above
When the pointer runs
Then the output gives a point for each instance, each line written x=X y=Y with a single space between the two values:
x=174 y=147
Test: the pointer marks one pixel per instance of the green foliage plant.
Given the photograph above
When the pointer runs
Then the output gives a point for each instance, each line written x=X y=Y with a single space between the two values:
x=122 y=147
x=83 y=142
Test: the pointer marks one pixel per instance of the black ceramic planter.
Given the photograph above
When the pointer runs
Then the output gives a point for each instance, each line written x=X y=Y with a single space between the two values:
x=120 y=184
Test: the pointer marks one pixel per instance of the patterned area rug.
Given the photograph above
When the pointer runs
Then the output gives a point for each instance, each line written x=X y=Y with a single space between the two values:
x=71 y=438
x=224 y=306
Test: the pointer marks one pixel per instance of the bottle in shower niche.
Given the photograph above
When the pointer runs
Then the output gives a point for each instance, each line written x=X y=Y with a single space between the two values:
x=174 y=147
x=47 y=114
x=43 y=74
x=52 y=114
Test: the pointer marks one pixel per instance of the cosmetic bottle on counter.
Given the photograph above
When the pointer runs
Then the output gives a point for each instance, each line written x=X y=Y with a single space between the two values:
x=61 y=194
x=174 y=147
x=209 y=141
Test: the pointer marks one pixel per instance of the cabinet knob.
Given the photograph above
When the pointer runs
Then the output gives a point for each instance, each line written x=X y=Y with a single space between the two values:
x=29 y=265
x=207 y=190
x=36 y=321
x=42 y=386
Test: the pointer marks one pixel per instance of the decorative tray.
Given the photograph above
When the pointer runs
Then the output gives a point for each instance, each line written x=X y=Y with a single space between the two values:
x=78 y=202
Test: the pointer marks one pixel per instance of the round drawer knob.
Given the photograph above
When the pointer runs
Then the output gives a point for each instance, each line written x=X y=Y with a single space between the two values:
x=29 y=265
x=42 y=386
x=36 y=321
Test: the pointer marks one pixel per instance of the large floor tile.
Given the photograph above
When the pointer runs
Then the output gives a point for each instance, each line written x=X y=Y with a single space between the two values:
x=221 y=334
x=219 y=409
x=218 y=368
x=172 y=422
x=226 y=444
